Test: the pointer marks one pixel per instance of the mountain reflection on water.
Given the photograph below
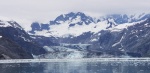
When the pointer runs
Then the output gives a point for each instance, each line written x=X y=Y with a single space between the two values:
x=77 y=67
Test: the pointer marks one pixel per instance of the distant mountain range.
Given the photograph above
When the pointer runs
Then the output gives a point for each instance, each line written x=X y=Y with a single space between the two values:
x=67 y=24
x=78 y=35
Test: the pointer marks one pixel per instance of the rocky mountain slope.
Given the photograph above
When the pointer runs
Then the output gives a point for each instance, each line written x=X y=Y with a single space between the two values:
x=16 y=43
x=133 y=39
x=11 y=50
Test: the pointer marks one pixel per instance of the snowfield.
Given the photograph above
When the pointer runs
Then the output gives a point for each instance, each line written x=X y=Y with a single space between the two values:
x=64 y=30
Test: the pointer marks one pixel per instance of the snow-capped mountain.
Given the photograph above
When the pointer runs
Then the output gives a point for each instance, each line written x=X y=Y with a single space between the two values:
x=16 y=43
x=80 y=27
x=100 y=32
x=75 y=24
x=73 y=19
x=70 y=24
x=14 y=24
x=126 y=40
x=10 y=49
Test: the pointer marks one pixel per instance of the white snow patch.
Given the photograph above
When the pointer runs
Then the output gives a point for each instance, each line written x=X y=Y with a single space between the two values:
x=64 y=30
x=120 y=27
x=5 y=24
x=92 y=40
x=48 y=49
x=121 y=49
x=136 y=36
x=45 y=33
x=75 y=55
x=112 y=20
x=76 y=20
x=25 y=39
x=146 y=25
x=118 y=42
x=9 y=23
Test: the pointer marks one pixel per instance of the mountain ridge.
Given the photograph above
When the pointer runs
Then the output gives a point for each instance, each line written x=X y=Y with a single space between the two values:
x=75 y=21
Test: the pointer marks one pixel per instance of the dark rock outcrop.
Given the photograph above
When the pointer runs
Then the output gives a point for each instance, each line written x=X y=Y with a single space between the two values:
x=11 y=50
x=22 y=38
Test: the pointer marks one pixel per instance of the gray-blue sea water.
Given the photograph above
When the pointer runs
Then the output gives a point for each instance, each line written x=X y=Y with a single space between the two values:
x=77 y=67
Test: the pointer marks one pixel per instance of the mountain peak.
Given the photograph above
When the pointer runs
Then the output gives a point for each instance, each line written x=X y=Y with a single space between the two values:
x=10 y=24
x=73 y=18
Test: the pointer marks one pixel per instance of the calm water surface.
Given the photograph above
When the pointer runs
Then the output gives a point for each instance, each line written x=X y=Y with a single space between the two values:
x=77 y=67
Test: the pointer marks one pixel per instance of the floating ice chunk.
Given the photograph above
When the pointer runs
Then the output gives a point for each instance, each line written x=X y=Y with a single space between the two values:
x=0 y=36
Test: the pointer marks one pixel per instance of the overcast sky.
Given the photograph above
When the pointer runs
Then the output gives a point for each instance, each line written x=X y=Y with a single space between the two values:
x=45 y=10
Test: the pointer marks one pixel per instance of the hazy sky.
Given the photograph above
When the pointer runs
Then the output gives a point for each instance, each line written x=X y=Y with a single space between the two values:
x=27 y=11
